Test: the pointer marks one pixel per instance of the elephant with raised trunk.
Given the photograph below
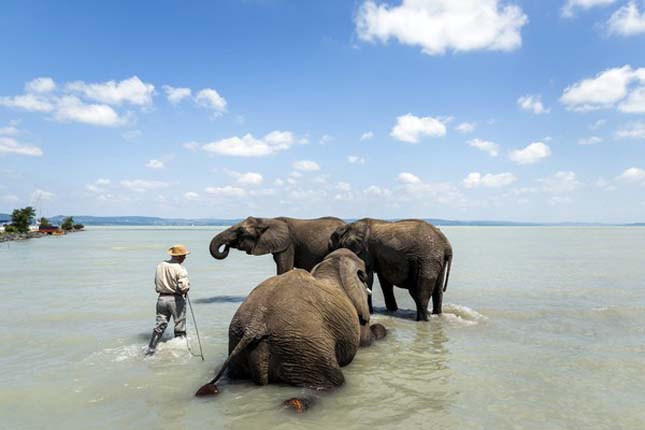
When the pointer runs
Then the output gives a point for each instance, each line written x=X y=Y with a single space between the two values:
x=411 y=254
x=301 y=327
x=299 y=243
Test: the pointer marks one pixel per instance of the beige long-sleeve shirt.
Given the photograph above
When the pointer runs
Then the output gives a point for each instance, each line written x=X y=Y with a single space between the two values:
x=171 y=278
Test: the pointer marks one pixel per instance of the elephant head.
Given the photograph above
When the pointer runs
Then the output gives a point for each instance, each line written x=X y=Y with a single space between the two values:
x=352 y=236
x=255 y=236
x=346 y=267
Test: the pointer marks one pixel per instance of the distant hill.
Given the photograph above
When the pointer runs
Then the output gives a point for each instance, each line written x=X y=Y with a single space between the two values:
x=157 y=221
x=143 y=221
x=4 y=218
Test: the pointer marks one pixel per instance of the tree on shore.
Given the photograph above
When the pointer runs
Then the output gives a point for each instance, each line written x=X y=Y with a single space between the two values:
x=44 y=222
x=21 y=219
x=67 y=224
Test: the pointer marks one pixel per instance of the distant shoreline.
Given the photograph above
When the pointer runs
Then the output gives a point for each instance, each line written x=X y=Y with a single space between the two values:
x=134 y=221
x=14 y=237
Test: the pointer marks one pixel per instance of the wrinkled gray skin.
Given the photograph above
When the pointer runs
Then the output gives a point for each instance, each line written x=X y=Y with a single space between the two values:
x=410 y=254
x=300 y=328
x=293 y=242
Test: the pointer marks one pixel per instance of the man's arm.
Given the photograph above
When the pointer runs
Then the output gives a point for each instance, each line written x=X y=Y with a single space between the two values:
x=183 y=282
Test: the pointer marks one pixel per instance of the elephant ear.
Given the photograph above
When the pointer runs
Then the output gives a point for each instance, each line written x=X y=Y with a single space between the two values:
x=355 y=237
x=273 y=236
x=334 y=239
x=351 y=274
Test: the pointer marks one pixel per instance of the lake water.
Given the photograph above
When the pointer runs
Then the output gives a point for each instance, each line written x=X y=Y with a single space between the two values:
x=544 y=328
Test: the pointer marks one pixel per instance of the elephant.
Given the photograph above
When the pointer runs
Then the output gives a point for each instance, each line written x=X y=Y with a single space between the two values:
x=411 y=254
x=299 y=243
x=301 y=327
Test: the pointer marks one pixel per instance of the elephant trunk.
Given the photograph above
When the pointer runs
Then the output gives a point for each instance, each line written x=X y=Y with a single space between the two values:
x=224 y=238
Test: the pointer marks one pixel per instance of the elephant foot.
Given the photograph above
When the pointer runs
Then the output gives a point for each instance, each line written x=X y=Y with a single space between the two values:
x=378 y=330
x=299 y=404
x=209 y=389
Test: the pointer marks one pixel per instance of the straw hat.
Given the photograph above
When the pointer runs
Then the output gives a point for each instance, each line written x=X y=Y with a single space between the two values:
x=178 y=250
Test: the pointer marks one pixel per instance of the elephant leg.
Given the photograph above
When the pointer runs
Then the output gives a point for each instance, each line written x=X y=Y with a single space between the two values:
x=421 y=295
x=437 y=296
x=284 y=260
x=259 y=363
x=388 y=293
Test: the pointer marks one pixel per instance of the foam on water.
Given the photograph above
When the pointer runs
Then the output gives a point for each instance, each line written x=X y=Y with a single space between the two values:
x=460 y=315
x=173 y=350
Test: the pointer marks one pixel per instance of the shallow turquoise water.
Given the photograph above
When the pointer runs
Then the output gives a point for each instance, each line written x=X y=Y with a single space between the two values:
x=544 y=328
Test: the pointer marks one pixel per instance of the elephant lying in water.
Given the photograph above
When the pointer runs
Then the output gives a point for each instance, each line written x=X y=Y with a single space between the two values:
x=293 y=242
x=411 y=254
x=300 y=328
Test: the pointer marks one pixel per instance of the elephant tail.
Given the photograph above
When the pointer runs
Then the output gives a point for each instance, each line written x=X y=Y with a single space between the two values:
x=447 y=262
x=210 y=388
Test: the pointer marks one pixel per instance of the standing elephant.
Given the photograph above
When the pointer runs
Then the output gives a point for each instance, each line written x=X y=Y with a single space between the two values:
x=299 y=243
x=411 y=254
x=300 y=328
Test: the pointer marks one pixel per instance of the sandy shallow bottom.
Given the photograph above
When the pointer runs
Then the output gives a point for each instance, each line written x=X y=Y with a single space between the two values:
x=544 y=328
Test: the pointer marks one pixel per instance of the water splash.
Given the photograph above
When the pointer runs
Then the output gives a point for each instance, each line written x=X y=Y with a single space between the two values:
x=461 y=315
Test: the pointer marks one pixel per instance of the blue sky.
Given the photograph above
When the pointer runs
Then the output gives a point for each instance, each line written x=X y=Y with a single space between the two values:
x=514 y=110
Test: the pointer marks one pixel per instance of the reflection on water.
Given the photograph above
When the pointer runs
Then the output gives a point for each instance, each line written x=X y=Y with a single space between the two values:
x=221 y=299
x=529 y=338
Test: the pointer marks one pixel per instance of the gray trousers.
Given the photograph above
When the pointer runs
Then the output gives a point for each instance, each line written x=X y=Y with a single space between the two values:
x=168 y=306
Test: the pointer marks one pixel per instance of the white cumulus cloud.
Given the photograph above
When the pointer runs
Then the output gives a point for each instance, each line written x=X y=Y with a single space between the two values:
x=489 y=180
x=98 y=186
x=465 y=127
x=376 y=191
x=226 y=191
x=28 y=102
x=190 y=195
x=408 y=178
x=532 y=103
x=589 y=140
x=571 y=5
x=132 y=90
x=438 y=26
x=71 y=108
x=176 y=94
x=368 y=135
x=306 y=166
x=606 y=89
x=248 y=178
x=532 y=153
x=634 y=175
x=140 y=185
x=355 y=159
x=343 y=186
x=249 y=146
x=484 y=145
x=9 y=145
x=155 y=164
x=211 y=99
x=627 y=20
x=10 y=130
x=560 y=183
x=40 y=85
x=634 y=130
x=409 y=128
x=42 y=195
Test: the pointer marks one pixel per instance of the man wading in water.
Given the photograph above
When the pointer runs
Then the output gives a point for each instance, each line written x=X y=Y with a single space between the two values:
x=172 y=284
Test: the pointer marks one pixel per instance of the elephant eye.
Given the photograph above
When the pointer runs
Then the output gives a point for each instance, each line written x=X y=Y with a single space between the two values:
x=362 y=276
